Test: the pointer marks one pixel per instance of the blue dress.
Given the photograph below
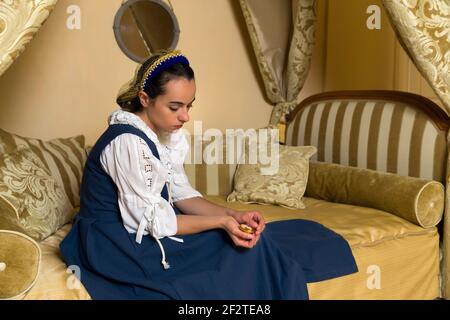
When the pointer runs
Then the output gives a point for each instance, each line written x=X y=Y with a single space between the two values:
x=207 y=265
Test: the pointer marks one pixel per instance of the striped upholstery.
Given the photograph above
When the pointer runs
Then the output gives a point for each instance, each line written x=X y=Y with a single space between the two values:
x=63 y=157
x=211 y=179
x=374 y=133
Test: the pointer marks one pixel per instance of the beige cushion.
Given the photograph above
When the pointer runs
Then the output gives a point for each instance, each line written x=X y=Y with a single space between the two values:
x=285 y=187
x=63 y=157
x=56 y=280
x=417 y=200
x=31 y=200
x=406 y=254
x=20 y=258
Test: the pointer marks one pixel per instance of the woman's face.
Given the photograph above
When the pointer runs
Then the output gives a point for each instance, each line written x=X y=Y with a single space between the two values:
x=170 y=111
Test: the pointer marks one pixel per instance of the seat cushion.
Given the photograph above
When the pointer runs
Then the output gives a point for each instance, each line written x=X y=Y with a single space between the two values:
x=396 y=259
x=56 y=281
x=360 y=226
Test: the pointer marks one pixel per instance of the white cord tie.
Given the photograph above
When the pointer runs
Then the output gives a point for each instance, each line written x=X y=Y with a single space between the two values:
x=148 y=219
x=165 y=264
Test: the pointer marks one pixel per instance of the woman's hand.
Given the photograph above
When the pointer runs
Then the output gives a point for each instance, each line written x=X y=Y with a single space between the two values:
x=253 y=219
x=239 y=237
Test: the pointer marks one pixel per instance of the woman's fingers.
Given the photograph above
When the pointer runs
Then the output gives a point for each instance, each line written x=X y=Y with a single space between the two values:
x=246 y=242
x=240 y=238
x=259 y=222
x=241 y=243
x=254 y=241
x=251 y=219
x=243 y=235
x=243 y=239
x=261 y=227
x=233 y=229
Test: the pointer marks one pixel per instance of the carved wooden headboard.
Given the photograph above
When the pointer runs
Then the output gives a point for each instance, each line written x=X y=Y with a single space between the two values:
x=20 y=20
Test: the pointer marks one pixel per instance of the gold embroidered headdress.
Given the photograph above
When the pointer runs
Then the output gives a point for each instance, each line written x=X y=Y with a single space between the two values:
x=145 y=74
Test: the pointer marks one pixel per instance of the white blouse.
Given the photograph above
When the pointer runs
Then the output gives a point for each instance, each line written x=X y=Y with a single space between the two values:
x=140 y=178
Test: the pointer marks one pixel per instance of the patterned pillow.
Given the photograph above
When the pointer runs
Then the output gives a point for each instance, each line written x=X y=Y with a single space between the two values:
x=64 y=158
x=284 y=186
x=31 y=200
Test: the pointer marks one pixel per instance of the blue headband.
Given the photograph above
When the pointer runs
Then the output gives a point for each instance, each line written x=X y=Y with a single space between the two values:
x=160 y=65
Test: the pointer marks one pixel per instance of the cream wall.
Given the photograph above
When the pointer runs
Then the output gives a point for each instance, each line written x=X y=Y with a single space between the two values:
x=361 y=59
x=66 y=81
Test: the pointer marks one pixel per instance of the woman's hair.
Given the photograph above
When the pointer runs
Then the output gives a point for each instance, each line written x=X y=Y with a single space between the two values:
x=157 y=86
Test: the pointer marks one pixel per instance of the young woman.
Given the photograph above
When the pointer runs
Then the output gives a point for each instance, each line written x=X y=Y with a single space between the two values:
x=144 y=233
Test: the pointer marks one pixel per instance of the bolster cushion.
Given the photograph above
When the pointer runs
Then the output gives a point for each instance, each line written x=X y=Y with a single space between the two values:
x=417 y=200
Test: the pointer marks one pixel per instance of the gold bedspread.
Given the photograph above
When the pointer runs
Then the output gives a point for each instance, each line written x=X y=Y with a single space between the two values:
x=396 y=259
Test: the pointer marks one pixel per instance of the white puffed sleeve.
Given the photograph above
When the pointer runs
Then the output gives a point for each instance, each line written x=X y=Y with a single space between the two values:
x=181 y=188
x=139 y=177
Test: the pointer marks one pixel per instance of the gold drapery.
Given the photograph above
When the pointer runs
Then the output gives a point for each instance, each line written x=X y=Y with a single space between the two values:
x=19 y=22
x=423 y=29
x=282 y=34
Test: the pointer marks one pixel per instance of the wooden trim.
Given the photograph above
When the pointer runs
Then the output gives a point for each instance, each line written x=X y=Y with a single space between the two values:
x=439 y=116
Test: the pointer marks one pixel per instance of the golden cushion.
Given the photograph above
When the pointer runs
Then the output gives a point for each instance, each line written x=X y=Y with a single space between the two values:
x=360 y=226
x=406 y=255
x=63 y=157
x=405 y=252
x=417 y=200
x=285 y=186
x=56 y=280
x=31 y=200
x=20 y=258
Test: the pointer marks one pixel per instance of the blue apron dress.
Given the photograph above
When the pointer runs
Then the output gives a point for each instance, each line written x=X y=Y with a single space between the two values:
x=207 y=265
